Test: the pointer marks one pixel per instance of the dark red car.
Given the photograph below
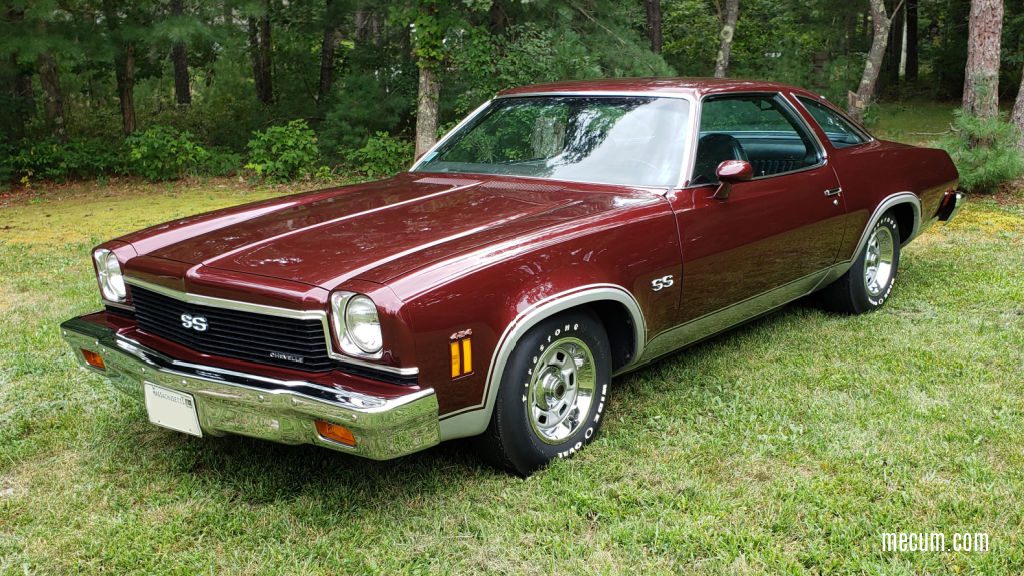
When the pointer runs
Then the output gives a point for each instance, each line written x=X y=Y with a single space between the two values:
x=559 y=236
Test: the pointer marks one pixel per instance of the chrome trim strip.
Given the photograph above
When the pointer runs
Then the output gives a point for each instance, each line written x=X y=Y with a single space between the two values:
x=248 y=404
x=882 y=208
x=241 y=306
x=825 y=102
x=737 y=313
x=214 y=302
x=339 y=303
x=822 y=151
x=644 y=93
x=120 y=305
x=473 y=420
x=446 y=137
x=693 y=135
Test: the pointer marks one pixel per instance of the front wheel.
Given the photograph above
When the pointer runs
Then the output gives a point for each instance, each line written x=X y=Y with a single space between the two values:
x=867 y=284
x=553 y=393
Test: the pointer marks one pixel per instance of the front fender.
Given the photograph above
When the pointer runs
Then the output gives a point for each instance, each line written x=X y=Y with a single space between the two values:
x=497 y=293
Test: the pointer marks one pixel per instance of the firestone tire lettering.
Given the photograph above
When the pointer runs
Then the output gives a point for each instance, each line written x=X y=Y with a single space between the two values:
x=510 y=440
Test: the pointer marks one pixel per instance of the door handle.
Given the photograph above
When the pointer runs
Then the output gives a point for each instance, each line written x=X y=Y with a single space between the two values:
x=833 y=191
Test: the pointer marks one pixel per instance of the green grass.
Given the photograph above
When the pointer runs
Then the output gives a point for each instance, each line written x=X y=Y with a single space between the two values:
x=914 y=122
x=788 y=445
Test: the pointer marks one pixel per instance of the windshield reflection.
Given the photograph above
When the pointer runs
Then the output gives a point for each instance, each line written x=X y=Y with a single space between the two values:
x=605 y=139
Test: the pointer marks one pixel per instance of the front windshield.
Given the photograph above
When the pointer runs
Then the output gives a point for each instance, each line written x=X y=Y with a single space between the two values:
x=635 y=141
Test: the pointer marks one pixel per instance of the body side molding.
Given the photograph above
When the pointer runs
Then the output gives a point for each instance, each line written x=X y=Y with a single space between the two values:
x=719 y=321
x=474 y=419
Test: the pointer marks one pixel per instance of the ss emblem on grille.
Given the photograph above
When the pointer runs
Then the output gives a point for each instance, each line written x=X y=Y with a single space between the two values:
x=197 y=323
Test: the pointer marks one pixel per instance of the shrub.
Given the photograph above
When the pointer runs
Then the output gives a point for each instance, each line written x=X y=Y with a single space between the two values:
x=94 y=158
x=39 y=161
x=985 y=152
x=382 y=155
x=51 y=160
x=282 y=153
x=6 y=165
x=220 y=162
x=162 y=153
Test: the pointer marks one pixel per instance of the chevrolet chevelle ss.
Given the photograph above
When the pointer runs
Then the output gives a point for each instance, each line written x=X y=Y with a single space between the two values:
x=559 y=236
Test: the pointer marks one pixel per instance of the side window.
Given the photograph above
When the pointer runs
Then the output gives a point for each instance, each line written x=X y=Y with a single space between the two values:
x=758 y=128
x=840 y=132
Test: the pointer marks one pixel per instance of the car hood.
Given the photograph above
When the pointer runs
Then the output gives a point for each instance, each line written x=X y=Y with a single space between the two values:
x=371 y=232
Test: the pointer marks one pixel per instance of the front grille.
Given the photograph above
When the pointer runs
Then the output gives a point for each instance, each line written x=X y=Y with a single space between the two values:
x=288 y=342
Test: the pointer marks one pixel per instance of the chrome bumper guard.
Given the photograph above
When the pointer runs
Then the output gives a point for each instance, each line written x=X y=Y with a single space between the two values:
x=951 y=204
x=229 y=402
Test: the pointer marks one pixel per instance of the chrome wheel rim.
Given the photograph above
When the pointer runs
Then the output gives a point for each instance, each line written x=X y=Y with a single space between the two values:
x=881 y=251
x=561 y=390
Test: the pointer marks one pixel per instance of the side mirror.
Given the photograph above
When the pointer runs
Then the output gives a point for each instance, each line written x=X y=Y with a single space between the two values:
x=730 y=172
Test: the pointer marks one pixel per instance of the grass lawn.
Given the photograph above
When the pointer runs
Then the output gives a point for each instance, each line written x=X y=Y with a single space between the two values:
x=789 y=445
x=913 y=121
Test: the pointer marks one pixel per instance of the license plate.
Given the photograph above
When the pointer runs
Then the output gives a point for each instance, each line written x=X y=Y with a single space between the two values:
x=172 y=409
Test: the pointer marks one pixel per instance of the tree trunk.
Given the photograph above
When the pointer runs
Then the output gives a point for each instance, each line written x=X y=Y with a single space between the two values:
x=182 y=92
x=23 y=88
x=1017 y=117
x=981 y=83
x=124 y=65
x=654 y=24
x=259 y=54
x=368 y=26
x=265 y=64
x=894 y=48
x=865 y=28
x=497 y=19
x=880 y=22
x=912 y=41
x=179 y=57
x=327 y=50
x=729 y=18
x=254 y=57
x=849 y=31
x=24 y=97
x=426 y=110
x=53 y=97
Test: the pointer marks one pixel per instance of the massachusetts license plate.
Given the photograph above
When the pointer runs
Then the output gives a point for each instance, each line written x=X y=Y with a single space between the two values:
x=172 y=409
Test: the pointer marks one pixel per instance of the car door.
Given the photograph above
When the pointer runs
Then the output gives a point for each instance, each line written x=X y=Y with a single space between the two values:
x=775 y=236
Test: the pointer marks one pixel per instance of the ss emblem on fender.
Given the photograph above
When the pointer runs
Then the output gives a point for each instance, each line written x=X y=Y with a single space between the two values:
x=197 y=323
x=662 y=283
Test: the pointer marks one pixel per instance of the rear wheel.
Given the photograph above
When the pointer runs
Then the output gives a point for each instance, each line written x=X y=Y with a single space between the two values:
x=867 y=284
x=552 y=393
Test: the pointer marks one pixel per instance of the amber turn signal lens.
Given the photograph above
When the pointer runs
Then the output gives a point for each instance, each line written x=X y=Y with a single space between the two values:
x=456 y=360
x=336 y=432
x=93 y=359
x=462 y=357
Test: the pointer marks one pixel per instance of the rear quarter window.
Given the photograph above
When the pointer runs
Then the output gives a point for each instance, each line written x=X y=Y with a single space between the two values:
x=839 y=131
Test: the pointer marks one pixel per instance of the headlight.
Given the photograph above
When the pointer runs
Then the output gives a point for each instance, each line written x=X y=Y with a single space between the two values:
x=356 y=324
x=109 y=274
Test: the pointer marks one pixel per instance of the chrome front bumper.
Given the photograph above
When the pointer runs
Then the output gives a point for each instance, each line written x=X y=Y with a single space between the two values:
x=251 y=405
